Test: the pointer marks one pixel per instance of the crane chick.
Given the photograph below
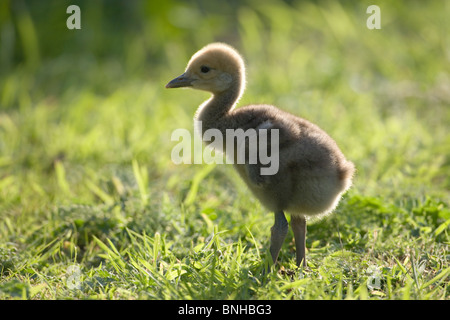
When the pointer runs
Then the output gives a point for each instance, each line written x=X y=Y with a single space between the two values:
x=312 y=171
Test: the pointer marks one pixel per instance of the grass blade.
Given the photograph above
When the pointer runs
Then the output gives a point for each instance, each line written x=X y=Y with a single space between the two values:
x=141 y=175
x=198 y=178
x=444 y=273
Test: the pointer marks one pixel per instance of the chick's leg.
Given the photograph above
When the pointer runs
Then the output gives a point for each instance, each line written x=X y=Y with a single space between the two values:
x=298 y=225
x=278 y=233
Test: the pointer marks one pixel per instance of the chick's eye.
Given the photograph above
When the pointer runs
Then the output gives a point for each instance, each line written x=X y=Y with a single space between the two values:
x=204 y=69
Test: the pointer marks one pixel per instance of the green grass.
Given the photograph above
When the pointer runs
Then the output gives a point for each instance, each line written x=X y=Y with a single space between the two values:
x=86 y=178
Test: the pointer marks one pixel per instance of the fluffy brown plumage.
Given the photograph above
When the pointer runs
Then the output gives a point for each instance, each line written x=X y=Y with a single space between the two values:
x=313 y=173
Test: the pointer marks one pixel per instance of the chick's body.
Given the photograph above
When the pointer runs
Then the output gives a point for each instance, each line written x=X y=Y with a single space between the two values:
x=312 y=171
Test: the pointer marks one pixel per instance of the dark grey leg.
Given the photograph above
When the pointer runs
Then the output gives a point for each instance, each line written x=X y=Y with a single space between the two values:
x=298 y=225
x=278 y=233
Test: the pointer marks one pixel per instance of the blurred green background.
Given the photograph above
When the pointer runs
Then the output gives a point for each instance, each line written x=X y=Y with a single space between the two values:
x=85 y=121
x=98 y=93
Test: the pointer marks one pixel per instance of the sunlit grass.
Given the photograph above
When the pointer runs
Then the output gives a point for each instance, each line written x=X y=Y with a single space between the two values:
x=86 y=177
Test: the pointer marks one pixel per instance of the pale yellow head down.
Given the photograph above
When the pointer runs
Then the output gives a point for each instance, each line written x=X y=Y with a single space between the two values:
x=216 y=68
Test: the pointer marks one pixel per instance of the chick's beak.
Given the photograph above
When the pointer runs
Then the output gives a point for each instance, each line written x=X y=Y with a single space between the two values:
x=181 y=81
